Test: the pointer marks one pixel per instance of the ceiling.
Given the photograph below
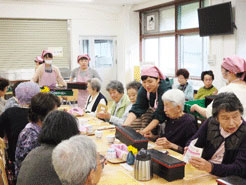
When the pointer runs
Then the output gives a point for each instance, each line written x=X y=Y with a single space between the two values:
x=102 y=2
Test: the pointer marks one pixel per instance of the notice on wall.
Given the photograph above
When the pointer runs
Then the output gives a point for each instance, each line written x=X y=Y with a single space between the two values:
x=192 y=151
x=57 y=51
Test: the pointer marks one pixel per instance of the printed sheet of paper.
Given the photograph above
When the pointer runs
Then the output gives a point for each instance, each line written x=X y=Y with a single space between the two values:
x=192 y=151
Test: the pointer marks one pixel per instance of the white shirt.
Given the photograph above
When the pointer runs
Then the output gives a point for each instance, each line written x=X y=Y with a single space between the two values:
x=91 y=103
x=238 y=89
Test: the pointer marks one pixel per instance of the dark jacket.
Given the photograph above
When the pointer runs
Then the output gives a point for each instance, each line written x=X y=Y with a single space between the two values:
x=234 y=160
x=37 y=168
x=142 y=104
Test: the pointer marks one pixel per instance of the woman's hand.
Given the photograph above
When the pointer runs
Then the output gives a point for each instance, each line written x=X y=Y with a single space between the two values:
x=104 y=115
x=185 y=149
x=164 y=143
x=201 y=164
x=193 y=108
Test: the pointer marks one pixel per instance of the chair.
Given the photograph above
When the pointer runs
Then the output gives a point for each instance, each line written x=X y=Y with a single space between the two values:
x=3 y=177
x=2 y=150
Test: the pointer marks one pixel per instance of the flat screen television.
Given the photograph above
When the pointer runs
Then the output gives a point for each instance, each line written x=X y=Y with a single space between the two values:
x=216 y=19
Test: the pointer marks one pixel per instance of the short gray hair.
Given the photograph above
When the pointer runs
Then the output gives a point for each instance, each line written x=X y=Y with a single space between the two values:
x=73 y=159
x=115 y=85
x=176 y=96
x=95 y=84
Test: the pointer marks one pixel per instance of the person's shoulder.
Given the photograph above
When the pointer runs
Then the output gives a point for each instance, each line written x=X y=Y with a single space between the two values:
x=164 y=85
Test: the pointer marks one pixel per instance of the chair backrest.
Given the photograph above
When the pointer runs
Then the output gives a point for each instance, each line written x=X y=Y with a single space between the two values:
x=3 y=172
x=2 y=150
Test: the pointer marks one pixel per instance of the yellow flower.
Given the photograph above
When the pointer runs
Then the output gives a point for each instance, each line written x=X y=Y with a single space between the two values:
x=130 y=147
x=134 y=151
x=45 y=89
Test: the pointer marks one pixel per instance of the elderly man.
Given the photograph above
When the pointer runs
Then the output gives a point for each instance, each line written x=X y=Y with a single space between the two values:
x=76 y=161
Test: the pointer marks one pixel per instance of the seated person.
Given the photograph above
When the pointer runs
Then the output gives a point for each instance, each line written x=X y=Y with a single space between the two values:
x=233 y=70
x=121 y=101
x=179 y=126
x=149 y=106
x=183 y=75
x=41 y=105
x=96 y=97
x=223 y=139
x=76 y=161
x=4 y=83
x=37 y=167
x=132 y=91
x=13 y=101
x=208 y=88
x=14 y=119
x=47 y=74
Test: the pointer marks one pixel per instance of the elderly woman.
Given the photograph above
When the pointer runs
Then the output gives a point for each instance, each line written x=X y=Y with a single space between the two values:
x=3 y=89
x=132 y=91
x=223 y=139
x=121 y=101
x=183 y=76
x=179 y=126
x=208 y=88
x=41 y=105
x=47 y=74
x=37 y=167
x=14 y=119
x=149 y=105
x=76 y=161
x=96 y=97
x=233 y=69
x=83 y=73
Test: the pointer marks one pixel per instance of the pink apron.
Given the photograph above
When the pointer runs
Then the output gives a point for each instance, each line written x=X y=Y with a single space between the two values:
x=48 y=79
x=82 y=94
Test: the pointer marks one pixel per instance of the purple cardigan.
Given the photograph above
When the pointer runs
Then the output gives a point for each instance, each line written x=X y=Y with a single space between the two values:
x=234 y=160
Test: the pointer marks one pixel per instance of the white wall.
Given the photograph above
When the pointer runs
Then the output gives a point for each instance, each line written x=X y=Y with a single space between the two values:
x=86 y=20
x=123 y=22
x=219 y=46
x=241 y=28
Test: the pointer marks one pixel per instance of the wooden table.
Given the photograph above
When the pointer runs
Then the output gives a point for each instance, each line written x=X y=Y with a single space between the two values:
x=114 y=174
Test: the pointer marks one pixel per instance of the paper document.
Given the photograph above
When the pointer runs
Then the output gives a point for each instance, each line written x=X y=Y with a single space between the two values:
x=192 y=151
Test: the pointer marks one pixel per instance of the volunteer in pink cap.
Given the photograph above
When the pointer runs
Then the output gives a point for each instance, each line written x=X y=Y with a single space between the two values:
x=233 y=70
x=83 y=73
x=38 y=60
x=47 y=74
x=148 y=111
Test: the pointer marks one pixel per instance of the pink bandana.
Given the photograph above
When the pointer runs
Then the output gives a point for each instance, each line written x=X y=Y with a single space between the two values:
x=152 y=72
x=83 y=56
x=39 y=59
x=46 y=52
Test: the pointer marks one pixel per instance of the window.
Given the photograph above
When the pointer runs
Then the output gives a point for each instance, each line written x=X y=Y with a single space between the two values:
x=167 y=21
x=177 y=44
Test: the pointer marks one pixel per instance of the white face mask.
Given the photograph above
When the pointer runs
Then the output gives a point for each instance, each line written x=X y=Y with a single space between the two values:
x=48 y=61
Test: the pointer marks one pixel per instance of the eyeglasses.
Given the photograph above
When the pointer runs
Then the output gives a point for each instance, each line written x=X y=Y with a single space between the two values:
x=102 y=160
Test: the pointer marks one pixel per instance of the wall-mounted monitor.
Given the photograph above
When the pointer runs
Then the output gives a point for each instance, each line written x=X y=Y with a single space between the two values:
x=216 y=19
